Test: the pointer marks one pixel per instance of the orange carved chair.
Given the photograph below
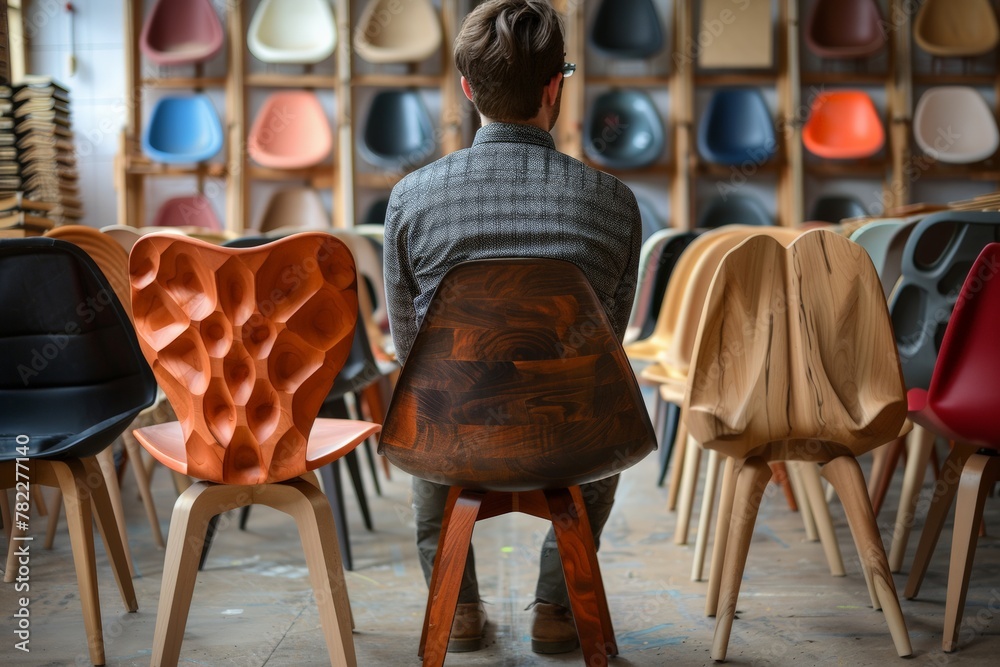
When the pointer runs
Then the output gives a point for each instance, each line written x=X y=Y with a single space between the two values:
x=246 y=344
x=515 y=392
x=795 y=361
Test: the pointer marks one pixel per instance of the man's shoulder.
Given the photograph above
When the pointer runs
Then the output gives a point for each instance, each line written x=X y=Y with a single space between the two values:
x=439 y=169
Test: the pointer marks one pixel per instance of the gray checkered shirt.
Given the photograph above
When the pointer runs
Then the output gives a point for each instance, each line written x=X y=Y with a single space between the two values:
x=512 y=194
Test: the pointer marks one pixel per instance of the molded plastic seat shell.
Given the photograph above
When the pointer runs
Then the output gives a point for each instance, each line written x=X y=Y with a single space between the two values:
x=845 y=29
x=657 y=259
x=294 y=210
x=627 y=29
x=843 y=125
x=181 y=32
x=956 y=28
x=623 y=130
x=885 y=242
x=375 y=215
x=397 y=31
x=192 y=211
x=834 y=208
x=290 y=132
x=735 y=210
x=182 y=130
x=954 y=124
x=292 y=31
x=737 y=128
x=399 y=134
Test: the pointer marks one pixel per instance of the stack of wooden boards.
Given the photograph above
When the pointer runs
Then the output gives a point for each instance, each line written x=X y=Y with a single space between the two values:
x=9 y=179
x=20 y=216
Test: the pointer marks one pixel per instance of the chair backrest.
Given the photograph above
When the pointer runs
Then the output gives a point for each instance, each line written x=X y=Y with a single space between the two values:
x=371 y=273
x=734 y=210
x=72 y=376
x=936 y=260
x=627 y=29
x=516 y=381
x=292 y=31
x=189 y=211
x=954 y=124
x=885 y=242
x=623 y=130
x=281 y=143
x=956 y=28
x=182 y=129
x=411 y=33
x=737 y=127
x=834 y=208
x=107 y=253
x=123 y=235
x=795 y=344
x=181 y=32
x=842 y=125
x=657 y=259
x=399 y=133
x=960 y=393
x=245 y=344
x=294 y=209
x=845 y=28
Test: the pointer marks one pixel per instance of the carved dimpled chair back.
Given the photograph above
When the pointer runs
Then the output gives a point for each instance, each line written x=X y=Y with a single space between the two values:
x=246 y=344
x=516 y=381
x=795 y=344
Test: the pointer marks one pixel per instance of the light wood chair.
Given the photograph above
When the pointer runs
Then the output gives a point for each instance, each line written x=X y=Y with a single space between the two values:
x=795 y=361
x=246 y=344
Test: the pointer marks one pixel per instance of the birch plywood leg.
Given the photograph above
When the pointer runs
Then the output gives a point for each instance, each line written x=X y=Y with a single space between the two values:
x=726 y=499
x=689 y=484
x=707 y=505
x=802 y=498
x=821 y=514
x=920 y=444
x=106 y=463
x=677 y=465
x=142 y=480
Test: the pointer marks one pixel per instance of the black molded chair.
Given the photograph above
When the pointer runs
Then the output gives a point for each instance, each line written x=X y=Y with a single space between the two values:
x=399 y=134
x=627 y=29
x=375 y=215
x=737 y=128
x=651 y=220
x=72 y=379
x=834 y=208
x=734 y=210
x=623 y=130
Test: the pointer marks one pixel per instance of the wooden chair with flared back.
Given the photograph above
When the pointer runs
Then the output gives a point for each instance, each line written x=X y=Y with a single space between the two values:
x=795 y=360
x=515 y=392
x=246 y=344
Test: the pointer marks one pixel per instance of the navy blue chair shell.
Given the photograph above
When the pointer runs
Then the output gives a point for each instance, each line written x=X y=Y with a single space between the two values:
x=737 y=128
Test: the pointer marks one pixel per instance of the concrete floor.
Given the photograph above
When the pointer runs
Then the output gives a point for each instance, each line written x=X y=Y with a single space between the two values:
x=253 y=604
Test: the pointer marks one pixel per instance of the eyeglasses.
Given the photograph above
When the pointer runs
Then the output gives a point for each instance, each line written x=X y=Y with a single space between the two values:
x=568 y=69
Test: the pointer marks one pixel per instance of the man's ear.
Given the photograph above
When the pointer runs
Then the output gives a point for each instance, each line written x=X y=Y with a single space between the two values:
x=551 y=93
x=466 y=88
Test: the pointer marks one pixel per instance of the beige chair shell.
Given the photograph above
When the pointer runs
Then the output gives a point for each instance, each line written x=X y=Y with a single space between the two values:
x=956 y=28
x=292 y=31
x=398 y=31
x=954 y=124
x=294 y=210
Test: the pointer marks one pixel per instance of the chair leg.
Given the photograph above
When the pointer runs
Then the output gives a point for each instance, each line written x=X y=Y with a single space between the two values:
x=603 y=610
x=671 y=420
x=354 y=470
x=115 y=542
x=802 y=499
x=893 y=451
x=920 y=444
x=134 y=451
x=750 y=484
x=978 y=476
x=451 y=556
x=376 y=409
x=821 y=514
x=244 y=516
x=705 y=517
x=453 y=494
x=330 y=474
x=878 y=464
x=106 y=461
x=576 y=544
x=845 y=475
x=370 y=455
x=677 y=453
x=213 y=525
x=689 y=483
x=314 y=517
x=53 y=523
x=14 y=532
x=726 y=498
x=780 y=471
x=944 y=494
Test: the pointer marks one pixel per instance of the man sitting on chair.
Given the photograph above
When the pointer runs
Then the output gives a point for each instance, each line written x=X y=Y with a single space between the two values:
x=512 y=194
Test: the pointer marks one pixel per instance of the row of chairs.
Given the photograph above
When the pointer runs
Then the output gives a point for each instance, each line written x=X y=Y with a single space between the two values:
x=922 y=265
x=185 y=32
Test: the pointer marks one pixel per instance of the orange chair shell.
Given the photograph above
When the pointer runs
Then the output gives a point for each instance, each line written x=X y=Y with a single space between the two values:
x=843 y=125
x=290 y=132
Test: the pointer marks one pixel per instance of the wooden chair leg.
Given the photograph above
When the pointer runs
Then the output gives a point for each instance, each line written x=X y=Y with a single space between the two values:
x=106 y=463
x=451 y=556
x=845 y=475
x=115 y=542
x=878 y=464
x=39 y=500
x=689 y=483
x=802 y=499
x=14 y=532
x=705 y=517
x=726 y=498
x=919 y=445
x=750 y=484
x=821 y=514
x=453 y=494
x=314 y=517
x=894 y=450
x=576 y=543
x=53 y=523
x=944 y=494
x=679 y=449
x=134 y=452
x=603 y=611
x=978 y=476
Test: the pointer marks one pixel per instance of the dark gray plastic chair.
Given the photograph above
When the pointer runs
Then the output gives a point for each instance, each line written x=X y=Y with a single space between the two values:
x=624 y=130
x=628 y=29
x=885 y=242
x=734 y=210
x=737 y=128
x=651 y=220
x=399 y=134
x=376 y=213
x=834 y=208
x=937 y=258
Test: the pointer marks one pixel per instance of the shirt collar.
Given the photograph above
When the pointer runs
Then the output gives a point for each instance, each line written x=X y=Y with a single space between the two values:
x=513 y=133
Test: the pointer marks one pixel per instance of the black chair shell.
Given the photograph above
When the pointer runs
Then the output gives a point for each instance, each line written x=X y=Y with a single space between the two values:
x=734 y=210
x=398 y=134
x=624 y=130
x=834 y=208
x=627 y=29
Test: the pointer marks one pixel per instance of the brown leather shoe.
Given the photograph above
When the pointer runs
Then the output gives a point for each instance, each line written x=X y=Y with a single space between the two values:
x=552 y=629
x=467 y=629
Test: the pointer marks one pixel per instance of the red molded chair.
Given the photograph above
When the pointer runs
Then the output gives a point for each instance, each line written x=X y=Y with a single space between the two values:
x=193 y=211
x=845 y=29
x=961 y=405
x=246 y=344
x=181 y=32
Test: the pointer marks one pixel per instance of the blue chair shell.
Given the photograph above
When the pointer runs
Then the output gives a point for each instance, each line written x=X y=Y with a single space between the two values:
x=624 y=130
x=399 y=134
x=834 y=208
x=628 y=29
x=182 y=130
x=734 y=210
x=737 y=128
